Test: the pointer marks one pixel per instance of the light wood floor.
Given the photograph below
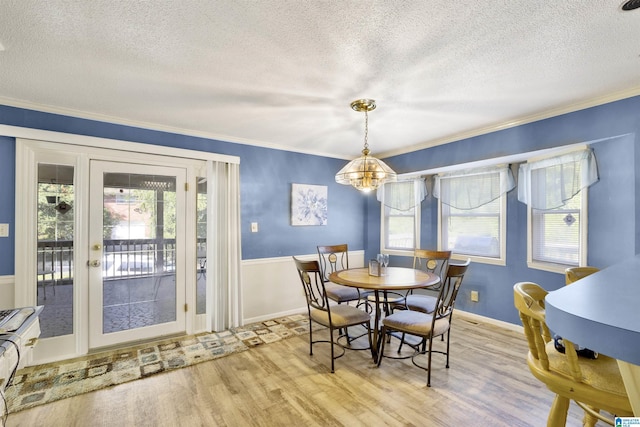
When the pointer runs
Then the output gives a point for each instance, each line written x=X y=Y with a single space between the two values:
x=279 y=384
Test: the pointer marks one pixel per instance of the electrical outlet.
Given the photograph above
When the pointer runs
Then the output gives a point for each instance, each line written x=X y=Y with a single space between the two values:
x=4 y=230
x=474 y=296
x=254 y=227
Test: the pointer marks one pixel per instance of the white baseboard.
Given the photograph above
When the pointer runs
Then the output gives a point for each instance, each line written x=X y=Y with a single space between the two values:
x=302 y=310
x=482 y=319
x=464 y=314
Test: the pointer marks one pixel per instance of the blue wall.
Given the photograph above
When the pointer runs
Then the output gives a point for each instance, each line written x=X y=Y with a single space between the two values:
x=7 y=203
x=266 y=176
x=612 y=130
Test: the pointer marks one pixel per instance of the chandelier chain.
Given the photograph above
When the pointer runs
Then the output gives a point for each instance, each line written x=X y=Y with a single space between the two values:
x=366 y=130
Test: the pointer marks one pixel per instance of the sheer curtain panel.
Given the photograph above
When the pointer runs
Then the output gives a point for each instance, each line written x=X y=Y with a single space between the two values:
x=402 y=195
x=472 y=188
x=224 y=248
x=550 y=183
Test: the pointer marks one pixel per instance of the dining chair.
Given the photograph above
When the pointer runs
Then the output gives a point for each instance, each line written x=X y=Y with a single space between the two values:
x=333 y=316
x=436 y=262
x=573 y=274
x=427 y=326
x=333 y=258
x=591 y=383
x=427 y=303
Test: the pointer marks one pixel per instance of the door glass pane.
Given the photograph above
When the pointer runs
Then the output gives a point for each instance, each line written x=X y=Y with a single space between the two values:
x=139 y=249
x=201 y=230
x=54 y=268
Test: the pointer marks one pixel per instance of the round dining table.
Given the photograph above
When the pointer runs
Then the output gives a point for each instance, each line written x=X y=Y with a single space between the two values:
x=393 y=279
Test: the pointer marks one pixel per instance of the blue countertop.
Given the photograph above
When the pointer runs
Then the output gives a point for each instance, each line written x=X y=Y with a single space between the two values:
x=601 y=311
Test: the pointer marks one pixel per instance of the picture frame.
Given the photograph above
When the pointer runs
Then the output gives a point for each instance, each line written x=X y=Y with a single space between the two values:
x=309 y=204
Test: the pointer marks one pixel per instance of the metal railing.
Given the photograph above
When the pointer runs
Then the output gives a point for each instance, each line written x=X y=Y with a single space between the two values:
x=121 y=258
x=55 y=261
x=138 y=257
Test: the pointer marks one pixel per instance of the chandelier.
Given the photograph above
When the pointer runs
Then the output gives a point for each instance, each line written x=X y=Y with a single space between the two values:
x=365 y=173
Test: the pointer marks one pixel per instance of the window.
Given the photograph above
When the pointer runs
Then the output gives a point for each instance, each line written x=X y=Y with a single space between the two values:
x=472 y=231
x=557 y=209
x=555 y=233
x=400 y=227
x=472 y=212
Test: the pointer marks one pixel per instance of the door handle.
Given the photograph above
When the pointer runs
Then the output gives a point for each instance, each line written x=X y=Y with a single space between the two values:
x=94 y=263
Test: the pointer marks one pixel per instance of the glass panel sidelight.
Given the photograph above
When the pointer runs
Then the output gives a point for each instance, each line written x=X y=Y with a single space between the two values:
x=56 y=199
x=201 y=230
x=139 y=251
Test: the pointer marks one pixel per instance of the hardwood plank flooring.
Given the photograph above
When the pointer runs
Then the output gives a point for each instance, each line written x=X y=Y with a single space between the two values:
x=279 y=384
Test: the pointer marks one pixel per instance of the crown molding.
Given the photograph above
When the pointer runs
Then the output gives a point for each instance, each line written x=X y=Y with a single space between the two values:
x=616 y=96
x=582 y=105
x=11 y=102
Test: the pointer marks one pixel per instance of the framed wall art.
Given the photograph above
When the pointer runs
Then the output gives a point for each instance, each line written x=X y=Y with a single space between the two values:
x=308 y=204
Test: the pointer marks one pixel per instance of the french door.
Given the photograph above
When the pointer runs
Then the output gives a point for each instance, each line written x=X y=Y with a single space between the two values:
x=136 y=235
x=117 y=247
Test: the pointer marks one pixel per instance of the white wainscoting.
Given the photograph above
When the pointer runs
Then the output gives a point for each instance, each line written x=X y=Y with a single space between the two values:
x=7 y=292
x=271 y=287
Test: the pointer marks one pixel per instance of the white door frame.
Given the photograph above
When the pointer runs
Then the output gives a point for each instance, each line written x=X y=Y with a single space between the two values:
x=83 y=148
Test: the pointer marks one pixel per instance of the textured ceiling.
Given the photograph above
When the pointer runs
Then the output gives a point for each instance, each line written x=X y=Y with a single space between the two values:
x=283 y=73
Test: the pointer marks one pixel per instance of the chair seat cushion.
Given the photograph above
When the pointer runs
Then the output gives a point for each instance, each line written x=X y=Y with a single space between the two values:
x=423 y=303
x=601 y=373
x=415 y=323
x=340 y=293
x=342 y=315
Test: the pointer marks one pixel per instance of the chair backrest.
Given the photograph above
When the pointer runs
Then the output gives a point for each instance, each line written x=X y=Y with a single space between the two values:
x=436 y=262
x=528 y=298
x=573 y=274
x=450 y=288
x=333 y=258
x=312 y=283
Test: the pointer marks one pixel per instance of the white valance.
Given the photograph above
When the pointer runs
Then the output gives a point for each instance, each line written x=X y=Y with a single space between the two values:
x=402 y=195
x=550 y=183
x=472 y=188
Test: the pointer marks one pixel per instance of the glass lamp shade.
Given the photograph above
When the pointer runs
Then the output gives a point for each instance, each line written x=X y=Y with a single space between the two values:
x=365 y=173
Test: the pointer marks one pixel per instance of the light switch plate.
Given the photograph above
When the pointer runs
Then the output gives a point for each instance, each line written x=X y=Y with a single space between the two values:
x=474 y=296
x=254 y=227
x=4 y=230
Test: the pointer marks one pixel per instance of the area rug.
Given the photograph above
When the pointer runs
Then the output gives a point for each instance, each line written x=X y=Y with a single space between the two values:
x=41 y=384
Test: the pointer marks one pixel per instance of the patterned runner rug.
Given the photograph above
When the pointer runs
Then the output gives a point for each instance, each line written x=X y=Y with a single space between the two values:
x=36 y=385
